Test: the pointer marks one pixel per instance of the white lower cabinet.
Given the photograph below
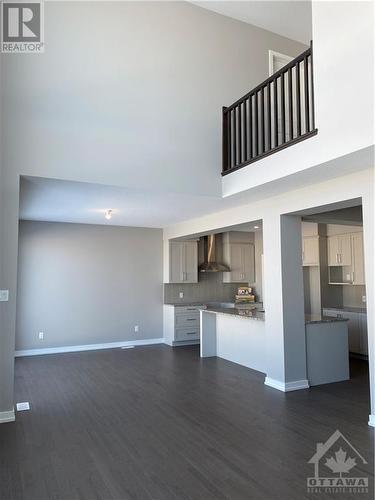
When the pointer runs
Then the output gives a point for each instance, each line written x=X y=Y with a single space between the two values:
x=364 y=336
x=357 y=329
x=182 y=324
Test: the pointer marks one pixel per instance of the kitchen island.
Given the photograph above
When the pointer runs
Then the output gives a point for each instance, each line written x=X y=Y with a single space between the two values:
x=327 y=349
x=239 y=335
x=235 y=334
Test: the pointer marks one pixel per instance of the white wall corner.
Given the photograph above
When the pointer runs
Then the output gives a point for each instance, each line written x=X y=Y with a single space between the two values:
x=287 y=386
x=371 y=420
x=7 y=416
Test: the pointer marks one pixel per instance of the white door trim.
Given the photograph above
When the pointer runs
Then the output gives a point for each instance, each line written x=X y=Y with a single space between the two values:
x=7 y=416
x=272 y=54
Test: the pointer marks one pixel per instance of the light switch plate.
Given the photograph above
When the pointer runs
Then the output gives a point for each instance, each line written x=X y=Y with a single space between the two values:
x=4 y=295
x=181 y=294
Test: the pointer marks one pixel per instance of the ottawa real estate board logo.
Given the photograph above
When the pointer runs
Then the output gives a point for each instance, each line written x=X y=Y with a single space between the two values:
x=337 y=468
x=22 y=27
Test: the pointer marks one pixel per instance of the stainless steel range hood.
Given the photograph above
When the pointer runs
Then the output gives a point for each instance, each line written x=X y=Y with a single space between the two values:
x=210 y=265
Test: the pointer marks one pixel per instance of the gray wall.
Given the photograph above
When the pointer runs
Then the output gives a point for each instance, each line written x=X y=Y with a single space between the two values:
x=84 y=284
x=135 y=86
x=83 y=103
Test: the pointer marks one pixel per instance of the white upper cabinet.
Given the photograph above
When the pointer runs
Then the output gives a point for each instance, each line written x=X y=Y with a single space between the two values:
x=345 y=243
x=358 y=259
x=240 y=257
x=340 y=250
x=183 y=262
x=345 y=252
x=310 y=251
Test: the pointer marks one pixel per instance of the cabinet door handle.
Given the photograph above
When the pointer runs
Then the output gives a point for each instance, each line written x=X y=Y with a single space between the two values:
x=191 y=333
x=191 y=319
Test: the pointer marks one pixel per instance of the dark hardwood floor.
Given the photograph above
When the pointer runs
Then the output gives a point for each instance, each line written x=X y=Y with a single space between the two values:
x=160 y=423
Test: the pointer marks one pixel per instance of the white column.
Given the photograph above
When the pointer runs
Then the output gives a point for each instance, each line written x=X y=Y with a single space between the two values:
x=9 y=200
x=284 y=303
x=369 y=250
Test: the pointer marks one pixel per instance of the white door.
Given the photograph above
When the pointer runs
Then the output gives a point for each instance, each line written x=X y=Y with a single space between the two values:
x=276 y=62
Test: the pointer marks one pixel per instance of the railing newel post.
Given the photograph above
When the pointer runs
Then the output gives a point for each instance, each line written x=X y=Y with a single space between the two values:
x=225 y=159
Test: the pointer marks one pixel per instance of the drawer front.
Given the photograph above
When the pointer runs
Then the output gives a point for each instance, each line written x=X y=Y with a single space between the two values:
x=187 y=309
x=187 y=320
x=334 y=313
x=187 y=334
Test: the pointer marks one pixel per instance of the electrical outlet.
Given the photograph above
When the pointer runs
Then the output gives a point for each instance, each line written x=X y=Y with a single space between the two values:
x=136 y=328
x=4 y=295
x=41 y=335
x=23 y=406
x=364 y=299
x=181 y=295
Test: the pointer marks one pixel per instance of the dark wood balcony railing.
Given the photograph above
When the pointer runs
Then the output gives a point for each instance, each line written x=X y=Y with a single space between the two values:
x=276 y=114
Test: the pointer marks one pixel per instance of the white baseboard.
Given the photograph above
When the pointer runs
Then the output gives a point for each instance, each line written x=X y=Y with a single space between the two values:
x=7 y=416
x=296 y=385
x=371 y=420
x=87 y=347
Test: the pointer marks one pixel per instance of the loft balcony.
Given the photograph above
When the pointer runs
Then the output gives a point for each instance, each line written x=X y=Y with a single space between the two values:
x=274 y=115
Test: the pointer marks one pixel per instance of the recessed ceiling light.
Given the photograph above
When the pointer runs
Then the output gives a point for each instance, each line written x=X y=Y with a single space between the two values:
x=256 y=227
x=108 y=214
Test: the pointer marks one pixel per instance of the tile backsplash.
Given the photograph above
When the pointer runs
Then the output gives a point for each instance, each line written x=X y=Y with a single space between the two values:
x=209 y=288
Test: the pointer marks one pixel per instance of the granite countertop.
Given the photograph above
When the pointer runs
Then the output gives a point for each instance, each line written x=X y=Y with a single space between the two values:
x=184 y=304
x=320 y=318
x=348 y=309
x=245 y=313
x=209 y=303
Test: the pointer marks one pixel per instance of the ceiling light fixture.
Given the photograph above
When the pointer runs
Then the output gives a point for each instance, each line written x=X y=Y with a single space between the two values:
x=108 y=214
x=256 y=227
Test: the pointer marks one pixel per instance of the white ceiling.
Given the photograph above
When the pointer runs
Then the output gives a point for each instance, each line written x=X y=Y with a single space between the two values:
x=291 y=18
x=79 y=202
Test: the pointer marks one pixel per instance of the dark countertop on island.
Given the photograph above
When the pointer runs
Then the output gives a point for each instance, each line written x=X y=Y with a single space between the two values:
x=246 y=313
x=320 y=318
x=348 y=309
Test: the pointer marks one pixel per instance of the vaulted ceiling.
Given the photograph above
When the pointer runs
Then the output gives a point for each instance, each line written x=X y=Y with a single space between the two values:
x=291 y=18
